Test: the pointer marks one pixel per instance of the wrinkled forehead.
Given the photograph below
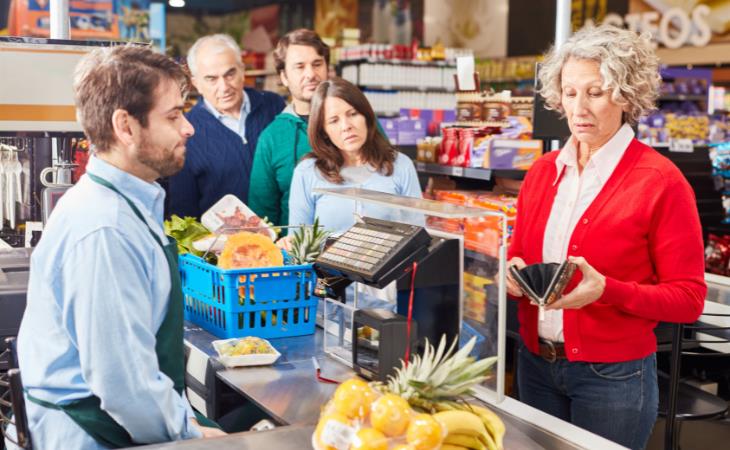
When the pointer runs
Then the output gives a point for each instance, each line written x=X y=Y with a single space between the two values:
x=217 y=59
x=581 y=72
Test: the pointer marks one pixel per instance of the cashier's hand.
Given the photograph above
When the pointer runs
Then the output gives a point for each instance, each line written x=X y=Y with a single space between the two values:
x=512 y=288
x=208 y=432
x=589 y=289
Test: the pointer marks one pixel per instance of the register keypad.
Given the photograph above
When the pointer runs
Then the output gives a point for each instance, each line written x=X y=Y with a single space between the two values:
x=366 y=246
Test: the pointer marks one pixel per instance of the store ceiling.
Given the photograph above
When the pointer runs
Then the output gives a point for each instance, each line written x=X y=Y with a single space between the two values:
x=219 y=6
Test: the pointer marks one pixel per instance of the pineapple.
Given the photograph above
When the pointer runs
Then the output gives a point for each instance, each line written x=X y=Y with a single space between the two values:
x=439 y=375
x=307 y=243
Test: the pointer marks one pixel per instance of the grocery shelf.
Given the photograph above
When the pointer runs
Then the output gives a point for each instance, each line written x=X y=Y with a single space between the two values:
x=482 y=123
x=376 y=87
x=259 y=73
x=682 y=97
x=665 y=145
x=507 y=80
x=464 y=172
x=475 y=173
x=478 y=256
x=397 y=62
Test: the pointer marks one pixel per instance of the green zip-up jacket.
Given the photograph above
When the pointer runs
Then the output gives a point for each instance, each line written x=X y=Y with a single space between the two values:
x=281 y=146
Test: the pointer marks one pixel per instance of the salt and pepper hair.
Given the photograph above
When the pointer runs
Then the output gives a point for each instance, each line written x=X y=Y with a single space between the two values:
x=628 y=65
x=222 y=43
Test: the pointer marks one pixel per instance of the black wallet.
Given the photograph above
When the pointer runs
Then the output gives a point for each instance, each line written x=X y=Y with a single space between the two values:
x=545 y=282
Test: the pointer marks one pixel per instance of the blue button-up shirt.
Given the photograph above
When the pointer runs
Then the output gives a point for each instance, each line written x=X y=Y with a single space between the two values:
x=98 y=292
x=237 y=126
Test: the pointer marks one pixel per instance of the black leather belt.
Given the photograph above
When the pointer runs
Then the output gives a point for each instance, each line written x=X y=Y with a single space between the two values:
x=552 y=351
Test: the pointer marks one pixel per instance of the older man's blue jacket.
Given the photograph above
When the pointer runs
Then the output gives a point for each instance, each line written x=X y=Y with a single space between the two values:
x=217 y=161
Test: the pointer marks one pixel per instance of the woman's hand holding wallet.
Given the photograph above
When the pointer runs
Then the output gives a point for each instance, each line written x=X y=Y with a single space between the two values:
x=586 y=292
x=589 y=289
x=513 y=288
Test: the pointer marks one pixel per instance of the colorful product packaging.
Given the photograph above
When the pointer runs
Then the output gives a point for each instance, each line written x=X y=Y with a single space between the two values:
x=411 y=130
x=475 y=293
x=433 y=117
x=449 y=146
x=483 y=234
x=390 y=126
x=512 y=154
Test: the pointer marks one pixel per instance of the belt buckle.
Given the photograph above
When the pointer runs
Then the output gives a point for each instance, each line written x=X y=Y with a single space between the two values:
x=553 y=352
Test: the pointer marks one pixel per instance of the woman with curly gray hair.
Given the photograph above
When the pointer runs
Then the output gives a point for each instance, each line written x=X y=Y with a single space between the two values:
x=627 y=218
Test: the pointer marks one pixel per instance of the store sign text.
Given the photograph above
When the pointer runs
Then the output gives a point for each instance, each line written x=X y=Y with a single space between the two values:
x=673 y=29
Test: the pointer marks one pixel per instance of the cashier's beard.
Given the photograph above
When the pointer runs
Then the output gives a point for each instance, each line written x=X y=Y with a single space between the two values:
x=164 y=158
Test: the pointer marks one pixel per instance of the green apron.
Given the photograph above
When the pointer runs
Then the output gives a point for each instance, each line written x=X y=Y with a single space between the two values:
x=87 y=412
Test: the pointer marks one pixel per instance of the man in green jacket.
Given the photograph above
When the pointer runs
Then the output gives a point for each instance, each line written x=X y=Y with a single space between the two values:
x=301 y=60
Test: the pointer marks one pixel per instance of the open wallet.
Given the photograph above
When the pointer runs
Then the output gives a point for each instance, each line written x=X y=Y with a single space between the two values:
x=543 y=283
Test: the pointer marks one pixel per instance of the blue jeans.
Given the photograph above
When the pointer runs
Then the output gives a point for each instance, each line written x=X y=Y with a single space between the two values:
x=618 y=401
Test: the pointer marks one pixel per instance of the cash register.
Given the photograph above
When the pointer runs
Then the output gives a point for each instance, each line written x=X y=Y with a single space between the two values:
x=377 y=252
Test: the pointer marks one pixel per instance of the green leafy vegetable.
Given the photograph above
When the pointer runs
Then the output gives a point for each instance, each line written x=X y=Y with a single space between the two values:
x=185 y=231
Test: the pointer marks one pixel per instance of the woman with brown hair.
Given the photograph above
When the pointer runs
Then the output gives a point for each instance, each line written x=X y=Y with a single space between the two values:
x=347 y=151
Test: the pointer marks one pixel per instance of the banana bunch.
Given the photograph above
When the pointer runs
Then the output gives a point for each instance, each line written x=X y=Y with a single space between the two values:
x=470 y=427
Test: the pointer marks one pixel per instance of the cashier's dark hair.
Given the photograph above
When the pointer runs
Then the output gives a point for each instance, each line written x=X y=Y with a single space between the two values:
x=122 y=77
x=376 y=151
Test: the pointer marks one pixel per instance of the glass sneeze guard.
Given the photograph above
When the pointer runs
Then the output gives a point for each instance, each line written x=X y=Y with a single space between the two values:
x=413 y=208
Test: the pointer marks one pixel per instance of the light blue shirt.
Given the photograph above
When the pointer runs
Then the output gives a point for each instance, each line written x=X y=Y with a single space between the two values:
x=336 y=214
x=237 y=126
x=98 y=292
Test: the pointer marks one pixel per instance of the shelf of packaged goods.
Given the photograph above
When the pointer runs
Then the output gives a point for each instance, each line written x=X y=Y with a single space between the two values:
x=478 y=256
x=259 y=73
x=375 y=87
x=507 y=80
x=666 y=145
x=475 y=173
x=482 y=123
x=397 y=62
x=682 y=97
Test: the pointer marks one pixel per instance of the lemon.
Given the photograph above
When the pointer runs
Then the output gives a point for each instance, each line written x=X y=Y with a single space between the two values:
x=369 y=439
x=353 y=398
x=424 y=432
x=390 y=414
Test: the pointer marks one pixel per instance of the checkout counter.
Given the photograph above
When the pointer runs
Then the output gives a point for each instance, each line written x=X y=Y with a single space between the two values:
x=289 y=391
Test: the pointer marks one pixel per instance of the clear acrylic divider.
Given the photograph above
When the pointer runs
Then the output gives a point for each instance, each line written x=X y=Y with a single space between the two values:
x=485 y=318
x=337 y=326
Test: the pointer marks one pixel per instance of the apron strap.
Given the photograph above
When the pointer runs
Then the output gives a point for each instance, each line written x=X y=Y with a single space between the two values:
x=135 y=210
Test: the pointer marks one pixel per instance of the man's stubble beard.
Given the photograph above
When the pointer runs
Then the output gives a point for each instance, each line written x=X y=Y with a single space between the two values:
x=165 y=165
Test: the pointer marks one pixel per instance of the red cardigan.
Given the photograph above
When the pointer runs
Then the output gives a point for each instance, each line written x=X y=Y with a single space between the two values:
x=643 y=233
